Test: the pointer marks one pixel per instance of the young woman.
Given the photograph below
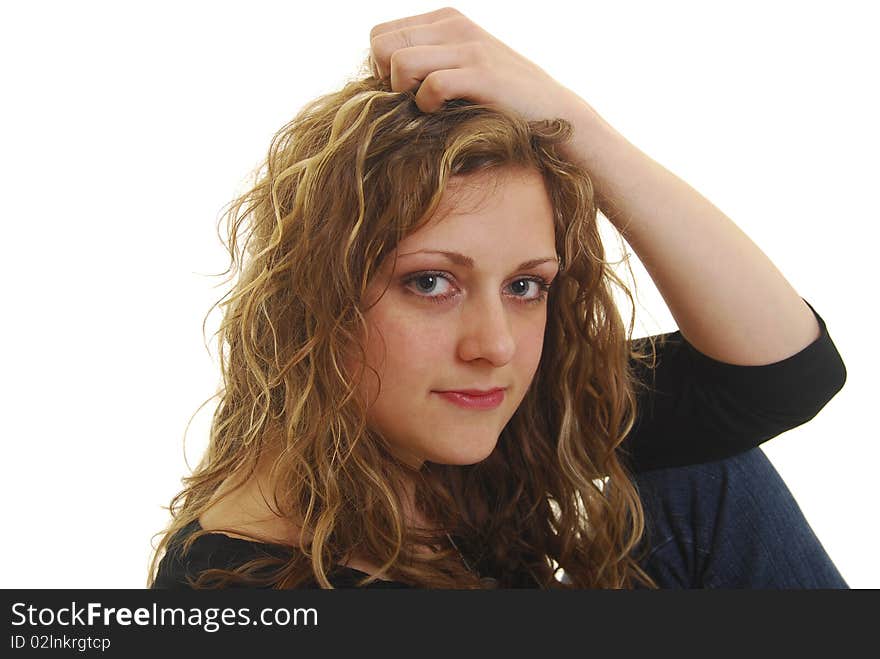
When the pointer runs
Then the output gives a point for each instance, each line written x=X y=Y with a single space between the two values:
x=427 y=383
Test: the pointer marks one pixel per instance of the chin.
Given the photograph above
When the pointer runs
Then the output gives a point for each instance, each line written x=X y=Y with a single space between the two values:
x=464 y=456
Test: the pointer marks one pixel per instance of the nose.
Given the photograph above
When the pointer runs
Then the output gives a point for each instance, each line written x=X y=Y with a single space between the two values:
x=486 y=332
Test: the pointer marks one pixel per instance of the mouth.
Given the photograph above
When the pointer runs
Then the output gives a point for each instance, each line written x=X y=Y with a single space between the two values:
x=474 y=399
x=473 y=392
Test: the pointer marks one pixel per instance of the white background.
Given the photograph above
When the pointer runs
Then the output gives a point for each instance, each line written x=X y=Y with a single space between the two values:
x=127 y=126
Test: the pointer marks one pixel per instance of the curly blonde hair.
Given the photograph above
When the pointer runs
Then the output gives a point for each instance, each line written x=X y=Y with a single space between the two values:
x=352 y=174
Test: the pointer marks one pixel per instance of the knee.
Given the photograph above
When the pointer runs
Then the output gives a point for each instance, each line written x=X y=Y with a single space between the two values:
x=745 y=470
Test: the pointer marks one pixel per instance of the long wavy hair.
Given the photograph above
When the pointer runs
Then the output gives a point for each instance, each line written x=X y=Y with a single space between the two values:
x=343 y=182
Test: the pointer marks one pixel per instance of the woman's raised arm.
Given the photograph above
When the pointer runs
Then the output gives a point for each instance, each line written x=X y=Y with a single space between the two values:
x=727 y=297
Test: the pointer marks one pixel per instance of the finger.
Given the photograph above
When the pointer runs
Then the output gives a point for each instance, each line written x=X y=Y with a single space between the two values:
x=410 y=66
x=452 y=29
x=447 y=84
x=444 y=32
x=410 y=21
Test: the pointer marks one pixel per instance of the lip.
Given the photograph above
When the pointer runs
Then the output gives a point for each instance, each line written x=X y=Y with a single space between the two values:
x=474 y=398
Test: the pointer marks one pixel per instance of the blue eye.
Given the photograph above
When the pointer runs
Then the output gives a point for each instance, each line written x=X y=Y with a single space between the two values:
x=426 y=283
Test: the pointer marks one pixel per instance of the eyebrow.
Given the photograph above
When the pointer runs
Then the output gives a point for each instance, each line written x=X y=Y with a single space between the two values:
x=468 y=262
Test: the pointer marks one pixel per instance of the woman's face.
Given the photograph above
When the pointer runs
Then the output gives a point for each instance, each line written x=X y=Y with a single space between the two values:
x=450 y=326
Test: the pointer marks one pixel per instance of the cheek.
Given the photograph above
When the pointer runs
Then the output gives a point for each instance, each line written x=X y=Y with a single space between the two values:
x=406 y=348
x=530 y=347
x=409 y=364
x=414 y=347
x=534 y=338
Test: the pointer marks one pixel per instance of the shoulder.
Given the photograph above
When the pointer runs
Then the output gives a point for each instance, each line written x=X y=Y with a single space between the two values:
x=243 y=514
x=242 y=527
x=219 y=550
x=209 y=551
x=242 y=511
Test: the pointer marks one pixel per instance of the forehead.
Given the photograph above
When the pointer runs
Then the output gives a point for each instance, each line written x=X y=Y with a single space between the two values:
x=497 y=207
x=472 y=193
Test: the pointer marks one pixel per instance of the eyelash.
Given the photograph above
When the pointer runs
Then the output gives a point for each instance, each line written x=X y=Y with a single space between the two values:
x=543 y=285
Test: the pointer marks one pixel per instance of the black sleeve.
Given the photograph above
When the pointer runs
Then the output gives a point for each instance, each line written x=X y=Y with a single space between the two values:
x=698 y=409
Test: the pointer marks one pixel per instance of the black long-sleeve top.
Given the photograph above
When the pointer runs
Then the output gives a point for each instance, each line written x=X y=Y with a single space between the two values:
x=696 y=410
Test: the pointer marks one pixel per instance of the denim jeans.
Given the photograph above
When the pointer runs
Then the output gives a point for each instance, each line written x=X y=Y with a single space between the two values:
x=731 y=523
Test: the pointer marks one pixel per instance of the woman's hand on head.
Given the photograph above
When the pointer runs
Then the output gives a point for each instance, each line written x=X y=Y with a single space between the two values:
x=448 y=56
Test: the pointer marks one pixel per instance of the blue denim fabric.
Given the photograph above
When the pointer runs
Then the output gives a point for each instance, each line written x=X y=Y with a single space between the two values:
x=731 y=523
